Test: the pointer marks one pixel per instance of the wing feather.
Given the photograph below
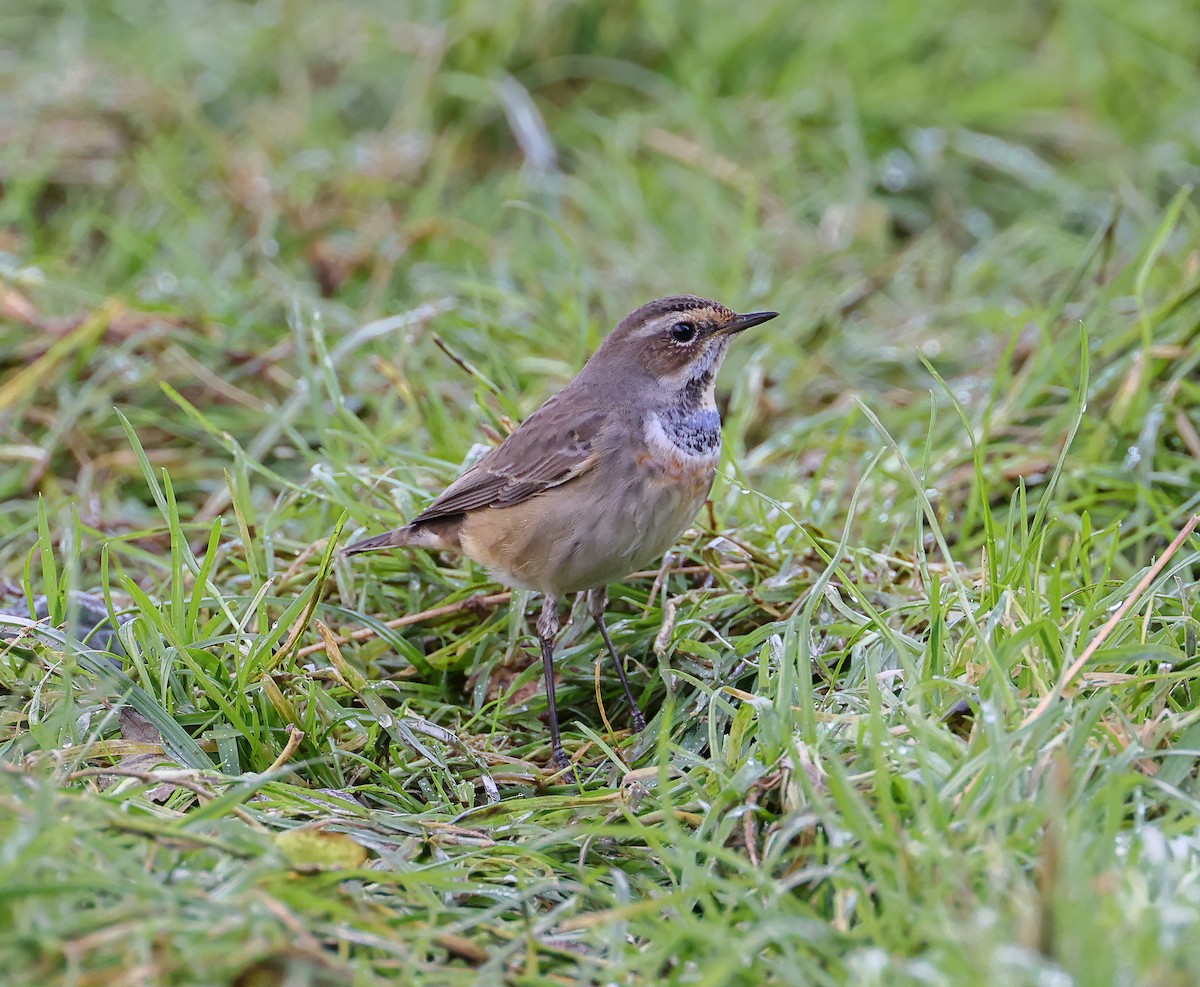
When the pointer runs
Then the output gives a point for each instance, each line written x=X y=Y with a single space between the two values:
x=553 y=446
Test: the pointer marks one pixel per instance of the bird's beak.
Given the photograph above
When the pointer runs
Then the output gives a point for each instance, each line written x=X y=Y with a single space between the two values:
x=741 y=322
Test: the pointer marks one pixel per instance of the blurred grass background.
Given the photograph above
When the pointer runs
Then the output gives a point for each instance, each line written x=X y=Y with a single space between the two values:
x=269 y=271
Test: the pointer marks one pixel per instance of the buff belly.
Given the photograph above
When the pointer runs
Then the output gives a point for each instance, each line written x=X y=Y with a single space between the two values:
x=615 y=519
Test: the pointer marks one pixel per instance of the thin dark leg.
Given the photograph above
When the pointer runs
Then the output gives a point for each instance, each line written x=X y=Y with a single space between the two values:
x=547 y=628
x=597 y=600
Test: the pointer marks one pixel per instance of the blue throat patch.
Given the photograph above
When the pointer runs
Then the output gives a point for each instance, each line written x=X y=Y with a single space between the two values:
x=696 y=430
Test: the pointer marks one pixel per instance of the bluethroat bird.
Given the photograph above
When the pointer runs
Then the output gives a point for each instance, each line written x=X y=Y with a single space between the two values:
x=601 y=479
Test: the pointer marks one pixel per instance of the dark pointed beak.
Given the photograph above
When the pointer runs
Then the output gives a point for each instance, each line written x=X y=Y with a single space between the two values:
x=746 y=321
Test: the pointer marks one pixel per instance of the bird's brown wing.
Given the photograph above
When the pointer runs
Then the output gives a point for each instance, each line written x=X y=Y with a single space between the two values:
x=551 y=447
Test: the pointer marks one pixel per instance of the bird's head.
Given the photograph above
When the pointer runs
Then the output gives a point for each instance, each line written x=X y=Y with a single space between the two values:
x=677 y=342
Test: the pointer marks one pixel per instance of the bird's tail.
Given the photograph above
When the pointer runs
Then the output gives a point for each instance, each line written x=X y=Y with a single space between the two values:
x=410 y=536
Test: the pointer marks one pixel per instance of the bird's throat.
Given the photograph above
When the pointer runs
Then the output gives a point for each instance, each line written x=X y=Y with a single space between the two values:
x=694 y=431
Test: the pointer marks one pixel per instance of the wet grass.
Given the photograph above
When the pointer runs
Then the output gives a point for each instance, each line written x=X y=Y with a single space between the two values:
x=922 y=681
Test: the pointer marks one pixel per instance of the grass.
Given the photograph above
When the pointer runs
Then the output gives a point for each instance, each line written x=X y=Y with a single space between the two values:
x=923 y=681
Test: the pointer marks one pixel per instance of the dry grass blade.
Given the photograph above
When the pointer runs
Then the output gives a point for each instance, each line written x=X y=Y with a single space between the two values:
x=481 y=603
x=25 y=382
x=1143 y=584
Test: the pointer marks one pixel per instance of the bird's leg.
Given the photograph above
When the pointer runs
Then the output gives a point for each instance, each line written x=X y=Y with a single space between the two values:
x=547 y=628
x=597 y=601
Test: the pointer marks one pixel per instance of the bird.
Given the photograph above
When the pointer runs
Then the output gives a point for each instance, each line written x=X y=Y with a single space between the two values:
x=600 y=480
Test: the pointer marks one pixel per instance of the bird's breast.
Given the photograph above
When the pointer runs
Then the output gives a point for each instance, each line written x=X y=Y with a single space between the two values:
x=619 y=516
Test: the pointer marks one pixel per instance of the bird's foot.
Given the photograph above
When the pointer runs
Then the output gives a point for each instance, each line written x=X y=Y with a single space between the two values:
x=638 y=720
x=563 y=767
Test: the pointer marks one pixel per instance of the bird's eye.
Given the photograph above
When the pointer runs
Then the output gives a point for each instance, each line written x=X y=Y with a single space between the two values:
x=683 y=332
